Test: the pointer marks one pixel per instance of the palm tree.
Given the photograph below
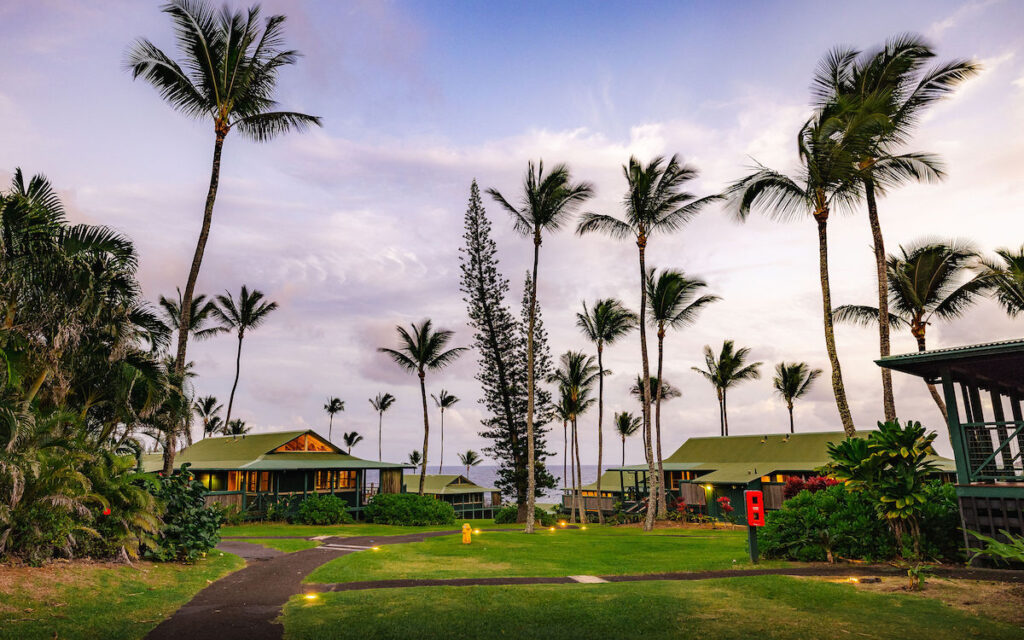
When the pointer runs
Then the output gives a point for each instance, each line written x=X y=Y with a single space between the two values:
x=827 y=144
x=673 y=302
x=248 y=313
x=228 y=75
x=351 y=439
x=668 y=392
x=626 y=424
x=925 y=282
x=207 y=409
x=792 y=382
x=380 y=404
x=563 y=411
x=470 y=459
x=443 y=401
x=203 y=312
x=548 y=202
x=892 y=82
x=725 y=370
x=236 y=427
x=604 y=324
x=333 y=406
x=415 y=458
x=575 y=377
x=1006 y=279
x=420 y=351
x=655 y=203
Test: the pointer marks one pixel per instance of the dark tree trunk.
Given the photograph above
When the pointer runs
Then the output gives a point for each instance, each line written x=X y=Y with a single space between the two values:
x=380 y=434
x=662 y=506
x=838 y=389
x=600 y=419
x=725 y=412
x=579 y=474
x=440 y=467
x=426 y=431
x=531 y=478
x=888 y=402
x=653 y=481
x=238 y=369
x=790 y=407
x=190 y=287
x=918 y=331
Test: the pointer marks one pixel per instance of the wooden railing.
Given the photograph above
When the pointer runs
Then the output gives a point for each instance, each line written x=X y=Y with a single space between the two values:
x=995 y=450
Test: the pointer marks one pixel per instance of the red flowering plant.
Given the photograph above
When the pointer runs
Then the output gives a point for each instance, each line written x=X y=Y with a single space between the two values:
x=725 y=505
x=814 y=484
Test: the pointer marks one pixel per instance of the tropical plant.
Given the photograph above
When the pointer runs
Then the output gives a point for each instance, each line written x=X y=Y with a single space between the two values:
x=228 y=74
x=322 y=509
x=925 y=284
x=655 y=203
x=793 y=381
x=421 y=350
x=380 y=404
x=626 y=424
x=1010 y=552
x=725 y=370
x=246 y=314
x=415 y=457
x=408 y=509
x=891 y=88
x=563 y=412
x=333 y=406
x=191 y=528
x=208 y=408
x=674 y=301
x=351 y=439
x=203 y=316
x=548 y=202
x=1005 y=279
x=470 y=459
x=604 y=324
x=236 y=427
x=575 y=379
x=443 y=401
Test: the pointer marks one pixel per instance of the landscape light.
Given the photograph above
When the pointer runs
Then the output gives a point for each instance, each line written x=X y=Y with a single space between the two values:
x=476 y=531
x=551 y=529
x=584 y=527
x=310 y=596
x=375 y=548
x=562 y=523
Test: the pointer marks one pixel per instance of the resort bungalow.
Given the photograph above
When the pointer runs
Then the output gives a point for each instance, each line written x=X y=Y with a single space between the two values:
x=704 y=470
x=253 y=471
x=469 y=499
x=616 y=486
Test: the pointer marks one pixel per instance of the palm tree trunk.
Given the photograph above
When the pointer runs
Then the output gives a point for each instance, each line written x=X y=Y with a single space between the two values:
x=919 y=335
x=662 y=507
x=190 y=287
x=440 y=467
x=565 y=453
x=725 y=412
x=654 y=483
x=600 y=420
x=380 y=432
x=790 y=407
x=579 y=475
x=426 y=431
x=574 y=512
x=238 y=369
x=721 y=417
x=888 y=402
x=623 y=450
x=531 y=479
x=330 y=427
x=838 y=389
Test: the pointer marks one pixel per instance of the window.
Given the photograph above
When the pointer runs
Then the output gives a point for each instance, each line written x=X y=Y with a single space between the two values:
x=257 y=481
x=213 y=481
x=305 y=443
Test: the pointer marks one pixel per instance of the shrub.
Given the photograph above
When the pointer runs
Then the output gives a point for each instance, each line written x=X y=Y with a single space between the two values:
x=322 y=509
x=795 y=485
x=408 y=509
x=191 y=528
x=509 y=514
x=284 y=508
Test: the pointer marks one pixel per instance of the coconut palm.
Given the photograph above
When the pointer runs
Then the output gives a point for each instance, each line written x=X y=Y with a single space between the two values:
x=674 y=301
x=548 y=202
x=470 y=459
x=1005 y=279
x=724 y=371
x=655 y=203
x=415 y=458
x=351 y=439
x=668 y=392
x=236 y=427
x=626 y=424
x=207 y=409
x=228 y=74
x=246 y=314
x=603 y=324
x=792 y=382
x=380 y=404
x=828 y=145
x=563 y=411
x=421 y=350
x=892 y=82
x=926 y=283
x=443 y=401
x=575 y=378
x=202 y=316
x=333 y=406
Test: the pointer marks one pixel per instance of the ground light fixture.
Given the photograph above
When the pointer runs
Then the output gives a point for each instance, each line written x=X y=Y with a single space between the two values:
x=375 y=548
x=310 y=596
x=476 y=531
x=551 y=529
x=562 y=523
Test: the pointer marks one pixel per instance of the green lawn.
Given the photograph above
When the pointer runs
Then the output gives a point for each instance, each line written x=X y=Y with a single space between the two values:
x=80 y=600
x=286 y=545
x=765 y=607
x=595 y=551
x=263 y=530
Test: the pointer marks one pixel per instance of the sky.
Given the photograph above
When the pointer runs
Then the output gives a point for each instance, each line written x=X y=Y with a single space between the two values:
x=356 y=227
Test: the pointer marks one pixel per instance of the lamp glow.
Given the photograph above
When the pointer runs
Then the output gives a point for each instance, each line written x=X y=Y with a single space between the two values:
x=310 y=596
x=476 y=531
x=584 y=527
x=375 y=548
x=551 y=529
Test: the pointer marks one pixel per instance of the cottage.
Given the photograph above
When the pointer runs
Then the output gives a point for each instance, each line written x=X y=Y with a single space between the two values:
x=616 y=486
x=254 y=470
x=469 y=499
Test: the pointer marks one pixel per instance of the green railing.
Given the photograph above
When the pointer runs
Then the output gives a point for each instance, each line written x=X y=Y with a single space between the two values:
x=994 y=450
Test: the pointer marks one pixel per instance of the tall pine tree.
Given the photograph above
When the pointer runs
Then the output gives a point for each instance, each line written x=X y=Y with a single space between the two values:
x=501 y=345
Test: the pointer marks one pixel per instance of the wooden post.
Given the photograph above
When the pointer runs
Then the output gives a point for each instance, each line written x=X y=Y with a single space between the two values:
x=956 y=434
x=752 y=541
x=1000 y=418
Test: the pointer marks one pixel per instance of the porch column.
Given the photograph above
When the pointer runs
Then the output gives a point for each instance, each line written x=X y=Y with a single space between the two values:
x=956 y=434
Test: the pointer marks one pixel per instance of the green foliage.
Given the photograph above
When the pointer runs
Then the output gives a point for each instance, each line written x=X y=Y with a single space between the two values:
x=191 y=528
x=509 y=514
x=322 y=509
x=408 y=509
x=1010 y=552
x=127 y=517
x=284 y=509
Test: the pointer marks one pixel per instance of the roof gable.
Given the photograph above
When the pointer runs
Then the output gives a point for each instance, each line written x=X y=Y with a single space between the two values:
x=444 y=484
x=809 y=450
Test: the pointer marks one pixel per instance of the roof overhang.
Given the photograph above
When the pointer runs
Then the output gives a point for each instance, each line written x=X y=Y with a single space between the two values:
x=993 y=365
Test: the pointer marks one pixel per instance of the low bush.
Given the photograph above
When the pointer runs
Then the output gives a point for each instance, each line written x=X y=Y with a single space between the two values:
x=191 y=528
x=408 y=509
x=814 y=484
x=322 y=509
x=509 y=514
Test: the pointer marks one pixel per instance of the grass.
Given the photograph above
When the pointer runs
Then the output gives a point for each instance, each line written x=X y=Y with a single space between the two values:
x=764 y=607
x=595 y=551
x=286 y=545
x=264 y=529
x=77 y=599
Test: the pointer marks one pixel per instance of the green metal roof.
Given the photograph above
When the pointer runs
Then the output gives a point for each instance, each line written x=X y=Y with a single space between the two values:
x=255 y=452
x=444 y=484
x=610 y=481
x=999 y=364
x=666 y=465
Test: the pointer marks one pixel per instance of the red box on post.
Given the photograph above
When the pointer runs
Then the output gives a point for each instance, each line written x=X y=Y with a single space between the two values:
x=755 y=508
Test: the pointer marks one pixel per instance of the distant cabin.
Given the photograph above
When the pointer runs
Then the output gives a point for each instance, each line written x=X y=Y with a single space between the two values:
x=703 y=470
x=469 y=499
x=253 y=471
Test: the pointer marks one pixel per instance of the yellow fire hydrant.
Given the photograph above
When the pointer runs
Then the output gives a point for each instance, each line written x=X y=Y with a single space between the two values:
x=467 y=534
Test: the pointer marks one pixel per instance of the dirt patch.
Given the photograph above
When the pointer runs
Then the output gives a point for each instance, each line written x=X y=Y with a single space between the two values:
x=999 y=600
x=78 y=573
